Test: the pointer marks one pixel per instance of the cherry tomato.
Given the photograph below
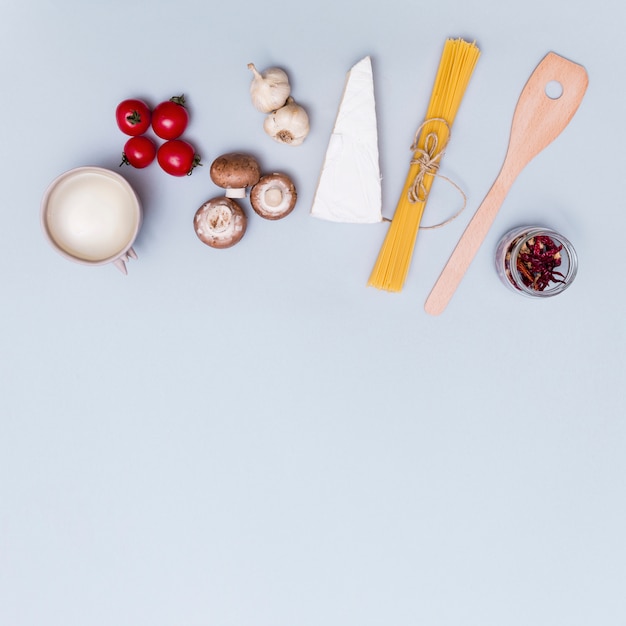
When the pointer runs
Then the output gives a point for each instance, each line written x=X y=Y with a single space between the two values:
x=139 y=152
x=133 y=117
x=178 y=157
x=170 y=118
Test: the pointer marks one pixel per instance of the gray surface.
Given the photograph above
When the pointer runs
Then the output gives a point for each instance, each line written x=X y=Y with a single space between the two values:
x=252 y=436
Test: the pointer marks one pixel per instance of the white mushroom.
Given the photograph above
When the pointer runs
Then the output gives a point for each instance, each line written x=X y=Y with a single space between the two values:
x=274 y=196
x=220 y=223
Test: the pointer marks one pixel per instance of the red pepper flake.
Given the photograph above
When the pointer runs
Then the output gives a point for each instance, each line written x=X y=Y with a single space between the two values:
x=537 y=261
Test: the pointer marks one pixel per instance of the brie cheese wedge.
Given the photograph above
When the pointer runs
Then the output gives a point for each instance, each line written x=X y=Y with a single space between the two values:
x=349 y=187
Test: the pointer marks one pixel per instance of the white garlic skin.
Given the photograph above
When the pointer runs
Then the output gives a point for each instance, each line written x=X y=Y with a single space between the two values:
x=270 y=89
x=289 y=124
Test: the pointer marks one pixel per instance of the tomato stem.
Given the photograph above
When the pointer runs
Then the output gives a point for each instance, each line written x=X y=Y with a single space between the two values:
x=179 y=99
x=196 y=163
x=134 y=117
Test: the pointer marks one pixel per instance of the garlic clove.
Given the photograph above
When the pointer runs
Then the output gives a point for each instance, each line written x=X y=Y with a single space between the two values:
x=270 y=89
x=289 y=124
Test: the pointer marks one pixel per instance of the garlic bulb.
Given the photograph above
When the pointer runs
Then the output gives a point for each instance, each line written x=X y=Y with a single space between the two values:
x=269 y=90
x=289 y=124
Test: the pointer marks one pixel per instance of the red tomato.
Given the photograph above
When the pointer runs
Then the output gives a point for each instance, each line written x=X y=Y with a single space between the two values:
x=178 y=157
x=139 y=152
x=133 y=117
x=170 y=118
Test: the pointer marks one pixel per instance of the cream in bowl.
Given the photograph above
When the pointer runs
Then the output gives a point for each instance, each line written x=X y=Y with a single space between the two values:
x=92 y=215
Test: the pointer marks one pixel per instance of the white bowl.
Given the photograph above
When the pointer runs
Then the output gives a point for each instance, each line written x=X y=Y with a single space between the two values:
x=92 y=215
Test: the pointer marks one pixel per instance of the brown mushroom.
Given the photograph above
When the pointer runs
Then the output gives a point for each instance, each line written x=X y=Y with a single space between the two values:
x=234 y=172
x=220 y=223
x=274 y=196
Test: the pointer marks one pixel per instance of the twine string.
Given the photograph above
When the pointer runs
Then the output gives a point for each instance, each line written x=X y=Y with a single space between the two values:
x=428 y=159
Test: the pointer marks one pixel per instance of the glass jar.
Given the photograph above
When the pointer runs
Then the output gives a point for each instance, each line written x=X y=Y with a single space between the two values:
x=536 y=261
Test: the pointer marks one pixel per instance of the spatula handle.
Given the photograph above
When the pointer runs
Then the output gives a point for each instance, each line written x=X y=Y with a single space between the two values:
x=468 y=246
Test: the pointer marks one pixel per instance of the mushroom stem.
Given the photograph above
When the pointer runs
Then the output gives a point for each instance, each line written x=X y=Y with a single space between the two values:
x=235 y=193
x=273 y=196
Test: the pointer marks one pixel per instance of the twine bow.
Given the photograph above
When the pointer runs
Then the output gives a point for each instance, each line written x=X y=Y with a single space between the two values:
x=428 y=159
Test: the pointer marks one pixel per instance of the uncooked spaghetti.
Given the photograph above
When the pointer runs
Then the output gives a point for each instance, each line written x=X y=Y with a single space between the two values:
x=457 y=64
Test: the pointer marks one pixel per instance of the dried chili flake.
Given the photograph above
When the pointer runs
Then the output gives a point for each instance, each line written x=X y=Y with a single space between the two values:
x=537 y=261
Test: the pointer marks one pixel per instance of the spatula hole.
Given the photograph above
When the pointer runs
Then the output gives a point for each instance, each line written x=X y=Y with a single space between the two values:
x=554 y=90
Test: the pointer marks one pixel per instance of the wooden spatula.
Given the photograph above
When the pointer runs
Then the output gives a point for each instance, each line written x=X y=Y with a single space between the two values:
x=537 y=121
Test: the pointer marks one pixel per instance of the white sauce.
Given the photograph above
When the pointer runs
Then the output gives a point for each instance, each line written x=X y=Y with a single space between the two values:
x=92 y=215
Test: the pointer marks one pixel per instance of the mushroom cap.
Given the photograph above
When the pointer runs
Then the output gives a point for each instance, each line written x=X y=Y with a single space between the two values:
x=220 y=223
x=274 y=196
x=234 y=172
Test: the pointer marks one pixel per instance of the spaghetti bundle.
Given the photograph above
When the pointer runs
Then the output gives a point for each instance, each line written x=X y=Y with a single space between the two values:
x=455 y=70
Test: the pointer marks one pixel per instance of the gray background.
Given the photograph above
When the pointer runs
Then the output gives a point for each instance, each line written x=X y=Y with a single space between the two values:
x=252 y=436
